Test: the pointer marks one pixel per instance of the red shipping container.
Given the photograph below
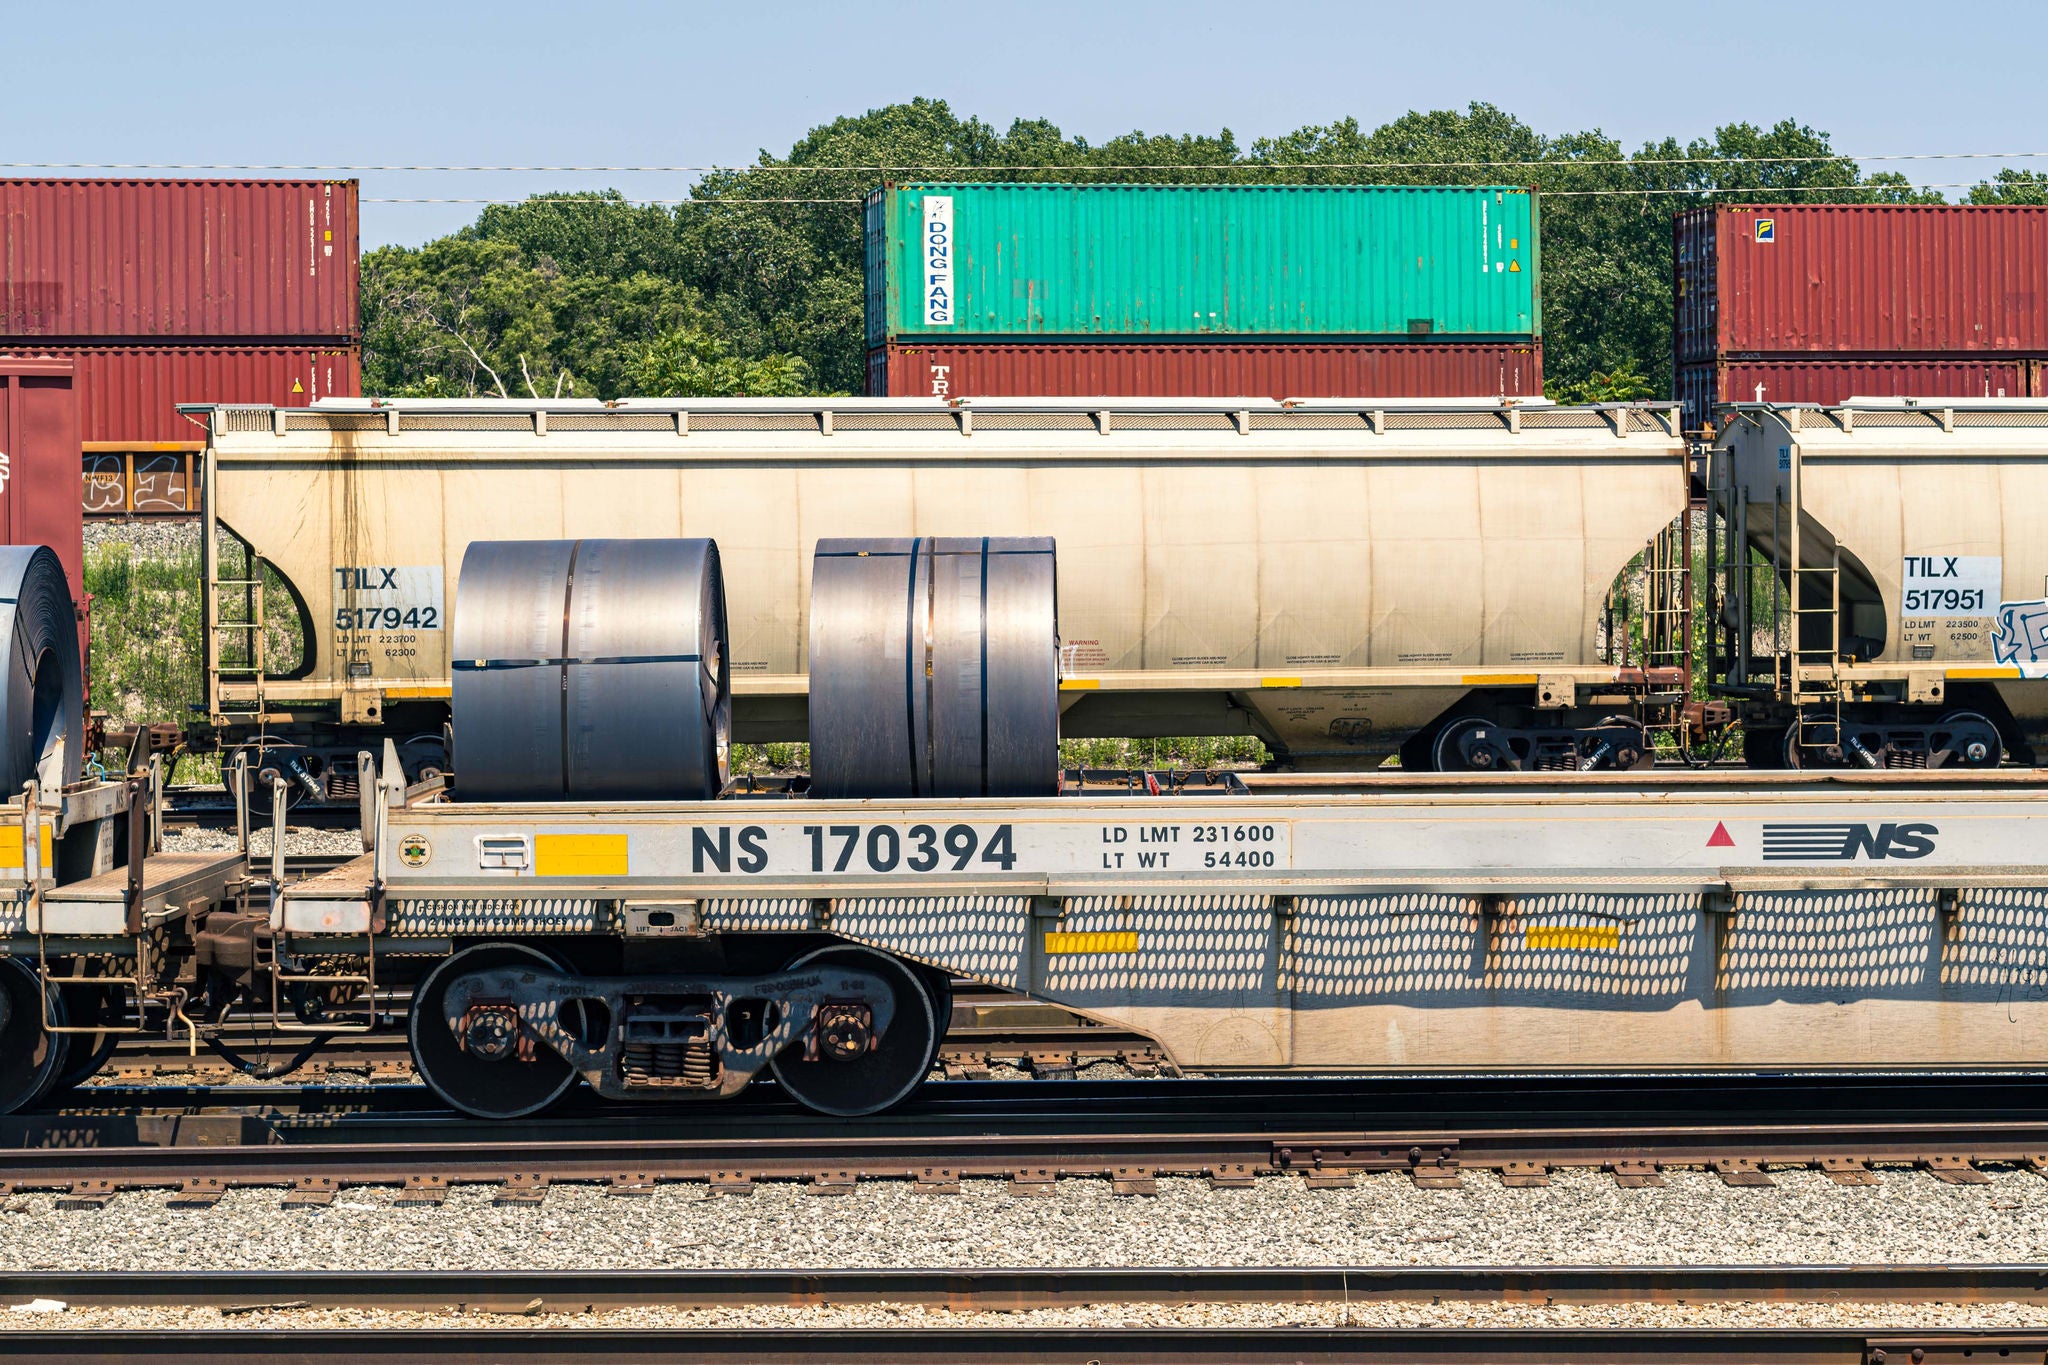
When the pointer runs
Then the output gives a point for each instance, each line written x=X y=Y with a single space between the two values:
x=244 y=261
x=1032 y=369
x=39 y=461
x=1830 y=379
x=131 y=393
x=1860 y=279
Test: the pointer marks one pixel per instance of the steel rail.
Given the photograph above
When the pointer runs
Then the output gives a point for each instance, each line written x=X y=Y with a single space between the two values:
x=1000 y=1289
x=1035 y=1346
x=278 y=1155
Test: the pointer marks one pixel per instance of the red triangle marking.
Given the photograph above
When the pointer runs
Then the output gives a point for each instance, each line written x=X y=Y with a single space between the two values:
x=1721 y=838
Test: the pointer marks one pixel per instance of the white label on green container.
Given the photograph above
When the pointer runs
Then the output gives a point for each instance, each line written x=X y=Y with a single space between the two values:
x=938 y=260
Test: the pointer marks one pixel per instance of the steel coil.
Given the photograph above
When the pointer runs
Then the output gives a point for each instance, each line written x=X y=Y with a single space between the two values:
x=934 y=667
x=590 y=669
x=42 y=706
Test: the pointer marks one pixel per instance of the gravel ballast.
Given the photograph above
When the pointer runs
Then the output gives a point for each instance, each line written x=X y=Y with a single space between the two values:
x=1581 y=1218
x=299 y=841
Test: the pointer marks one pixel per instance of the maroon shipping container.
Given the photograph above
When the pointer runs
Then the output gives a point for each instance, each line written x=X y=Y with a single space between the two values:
x=1860 y=279
x=244 y=261
x=1031 y=369
x=131 y=393
x=1831 y=379
x=39 y=457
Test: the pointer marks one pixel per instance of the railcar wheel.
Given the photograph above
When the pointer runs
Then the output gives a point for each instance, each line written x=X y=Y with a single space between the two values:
x=423 y=757
x=889 y=1070
x=1972 y=740
x=1824 y=750
x=484 y=1082
x=268 y=756
x=31 y=1057
x=1472 y=745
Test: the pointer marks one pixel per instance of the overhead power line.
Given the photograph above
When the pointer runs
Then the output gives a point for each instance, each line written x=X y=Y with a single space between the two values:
x=1546 y=193
x=606 y=199
x=787 y=169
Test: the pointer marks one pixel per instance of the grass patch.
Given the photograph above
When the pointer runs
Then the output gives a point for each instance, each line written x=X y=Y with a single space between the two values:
x=145 y=633
x=1199 y=751
x=146 y=627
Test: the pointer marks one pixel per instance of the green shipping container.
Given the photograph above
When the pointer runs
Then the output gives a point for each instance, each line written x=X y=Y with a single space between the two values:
x=1178 y=261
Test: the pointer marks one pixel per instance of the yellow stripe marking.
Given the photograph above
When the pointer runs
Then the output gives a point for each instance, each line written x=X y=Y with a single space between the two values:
x=1497 y=679
x=1078 y=684
x=1579 y=937
x=2001 y=671
x=579 y=855
x=1279 y=682
x=10 y=846
x=418 y=691
x=1100 y=942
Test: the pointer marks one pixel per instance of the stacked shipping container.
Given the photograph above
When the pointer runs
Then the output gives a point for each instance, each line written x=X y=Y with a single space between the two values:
x=1202 y=291
x=179 y=291
x=1823 y=302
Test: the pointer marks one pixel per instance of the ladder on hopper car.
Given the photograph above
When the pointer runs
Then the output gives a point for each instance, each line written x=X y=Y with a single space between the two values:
x=1807 y=667
x=1650 y=640
x=244 y=638
x=1666 y=622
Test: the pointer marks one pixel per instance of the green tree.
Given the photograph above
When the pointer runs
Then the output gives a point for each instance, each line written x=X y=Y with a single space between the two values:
x=694 y=364
x=470 y=315
x=2012 y=187
x=755 y=284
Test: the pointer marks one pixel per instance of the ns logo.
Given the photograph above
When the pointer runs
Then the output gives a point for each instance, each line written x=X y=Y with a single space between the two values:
x=1842 y=843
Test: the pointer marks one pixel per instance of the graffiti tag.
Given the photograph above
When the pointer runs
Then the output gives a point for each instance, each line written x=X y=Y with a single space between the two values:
x=2021 y=637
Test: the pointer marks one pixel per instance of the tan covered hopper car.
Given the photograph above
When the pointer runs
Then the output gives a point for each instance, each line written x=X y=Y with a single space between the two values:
x=1895 y=608
x=1338 y=578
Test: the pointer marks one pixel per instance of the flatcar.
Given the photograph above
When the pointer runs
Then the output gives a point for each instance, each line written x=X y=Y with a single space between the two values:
x=593 y=906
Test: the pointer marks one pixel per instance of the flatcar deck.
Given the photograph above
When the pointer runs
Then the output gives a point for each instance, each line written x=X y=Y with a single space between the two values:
x=170 y=883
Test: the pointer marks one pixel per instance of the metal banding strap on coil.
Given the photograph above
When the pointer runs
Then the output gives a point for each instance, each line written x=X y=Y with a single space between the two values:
x=590 y=669
x=934 y=667
x=42 y=704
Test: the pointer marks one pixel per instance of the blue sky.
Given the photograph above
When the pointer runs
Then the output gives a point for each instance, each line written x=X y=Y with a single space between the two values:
x=687 y=84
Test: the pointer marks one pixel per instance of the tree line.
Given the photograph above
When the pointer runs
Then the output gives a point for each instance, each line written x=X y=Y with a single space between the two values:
x=754 y=287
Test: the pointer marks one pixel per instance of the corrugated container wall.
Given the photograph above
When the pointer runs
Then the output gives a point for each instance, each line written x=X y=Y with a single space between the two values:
x=1814 y=379
x=131 y=393
x=39 y=437
x=1178 y=261
x=225 y=261
x=939 y=368
x=1861 y=278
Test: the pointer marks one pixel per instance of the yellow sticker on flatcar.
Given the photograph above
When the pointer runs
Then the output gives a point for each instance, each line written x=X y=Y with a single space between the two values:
x=10 y=845
x=1575 y=937
x=1103 y=941
x=579 y=855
